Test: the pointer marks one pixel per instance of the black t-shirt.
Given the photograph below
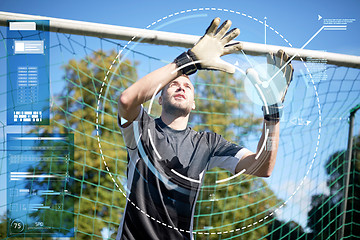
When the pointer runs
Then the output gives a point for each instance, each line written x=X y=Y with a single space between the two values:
x=165 y=172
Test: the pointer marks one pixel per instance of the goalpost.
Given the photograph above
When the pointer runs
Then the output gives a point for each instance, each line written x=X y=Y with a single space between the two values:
x=172 y=39
x=244 y=207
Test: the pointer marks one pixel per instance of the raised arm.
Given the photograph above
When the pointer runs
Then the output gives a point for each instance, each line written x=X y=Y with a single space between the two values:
x=272 y=90
x=205 y=54
x=143 y=89
x=262 y=162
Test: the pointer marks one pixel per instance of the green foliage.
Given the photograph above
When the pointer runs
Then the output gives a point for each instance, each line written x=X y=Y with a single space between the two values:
x=98 y=203
x=232 y=206
x=325 y=216
x=221 y=107
x=3 y=226
x=286 y=230
x=59 y=161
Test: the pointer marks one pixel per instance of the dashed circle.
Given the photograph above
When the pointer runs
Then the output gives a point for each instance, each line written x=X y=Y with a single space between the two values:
x=98 y=136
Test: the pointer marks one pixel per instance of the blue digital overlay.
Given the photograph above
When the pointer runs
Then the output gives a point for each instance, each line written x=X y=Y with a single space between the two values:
x=40 y=191
x=28 y=84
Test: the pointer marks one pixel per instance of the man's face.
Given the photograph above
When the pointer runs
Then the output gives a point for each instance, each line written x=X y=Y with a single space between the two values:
x=177 y=97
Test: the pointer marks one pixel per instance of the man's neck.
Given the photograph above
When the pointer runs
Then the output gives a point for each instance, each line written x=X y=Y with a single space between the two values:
x=177 y=123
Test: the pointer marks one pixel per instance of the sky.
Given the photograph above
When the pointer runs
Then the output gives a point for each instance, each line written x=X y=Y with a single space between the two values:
x=297 y=21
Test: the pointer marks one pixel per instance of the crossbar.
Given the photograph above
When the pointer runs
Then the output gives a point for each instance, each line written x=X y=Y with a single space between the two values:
x=172 y=39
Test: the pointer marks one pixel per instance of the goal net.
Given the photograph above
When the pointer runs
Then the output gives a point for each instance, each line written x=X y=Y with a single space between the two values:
x=303 y=199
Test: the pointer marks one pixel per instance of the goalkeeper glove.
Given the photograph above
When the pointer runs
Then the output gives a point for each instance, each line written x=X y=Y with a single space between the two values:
x=272 y=88
x=207 y=51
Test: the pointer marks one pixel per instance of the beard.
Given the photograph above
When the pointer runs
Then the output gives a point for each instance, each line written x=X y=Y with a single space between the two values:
x=177 y=109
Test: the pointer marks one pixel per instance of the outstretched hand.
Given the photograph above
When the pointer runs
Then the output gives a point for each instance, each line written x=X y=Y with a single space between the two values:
x=272 y=83
x=214 y=44
x=207 y=51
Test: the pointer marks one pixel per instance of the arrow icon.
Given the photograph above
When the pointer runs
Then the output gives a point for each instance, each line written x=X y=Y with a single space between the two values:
x=319 y=17
x=123 y=121
x=294 y=121
x=299 y=122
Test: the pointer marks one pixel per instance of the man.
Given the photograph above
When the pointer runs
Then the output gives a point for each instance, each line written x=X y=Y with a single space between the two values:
x=166 y=159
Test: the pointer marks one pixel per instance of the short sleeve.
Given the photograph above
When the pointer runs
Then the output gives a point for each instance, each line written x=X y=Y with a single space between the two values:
x=128 y=132
x=225 y=154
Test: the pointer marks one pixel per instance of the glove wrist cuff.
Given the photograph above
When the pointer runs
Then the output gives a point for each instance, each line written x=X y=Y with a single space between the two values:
x=185 y=62
x=274 y=112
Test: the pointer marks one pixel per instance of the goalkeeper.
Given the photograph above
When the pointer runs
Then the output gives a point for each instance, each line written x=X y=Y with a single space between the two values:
x=167 y=159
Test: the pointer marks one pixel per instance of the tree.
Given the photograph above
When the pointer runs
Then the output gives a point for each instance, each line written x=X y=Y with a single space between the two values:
x=326 y=212
x=98 y=204
x=3 y=226
x=286 y=230
x=222 y=107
